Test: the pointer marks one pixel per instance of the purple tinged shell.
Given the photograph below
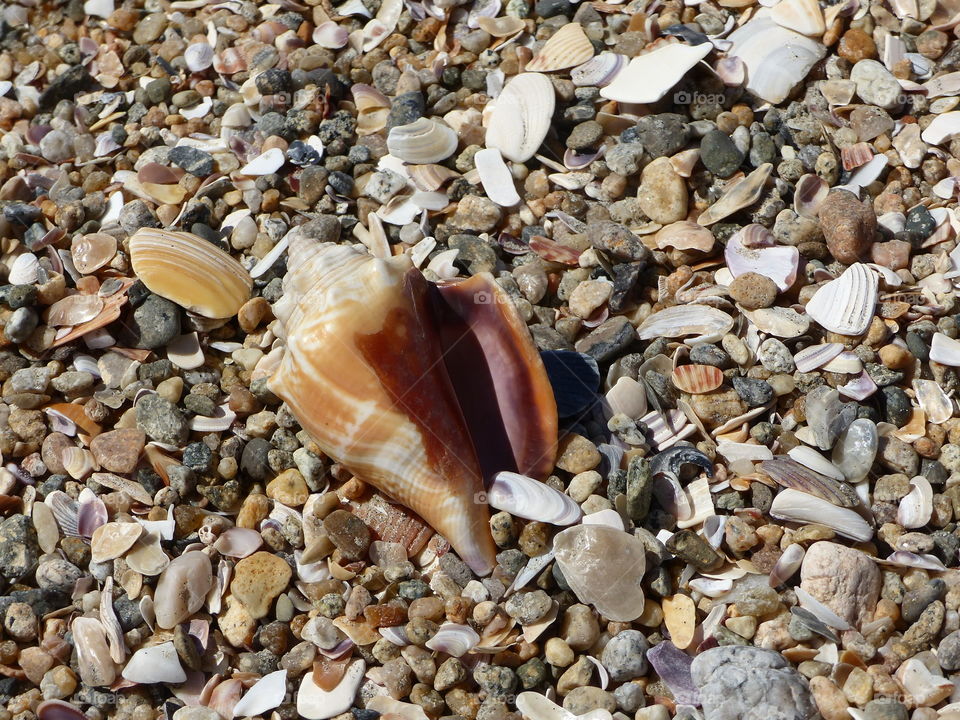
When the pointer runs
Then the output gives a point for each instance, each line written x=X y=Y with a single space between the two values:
x=788 y=473
x=859 y=388
x=91 y=513
x=573 y=160
x=815 y=356
x=58 y=710
x=673 y=667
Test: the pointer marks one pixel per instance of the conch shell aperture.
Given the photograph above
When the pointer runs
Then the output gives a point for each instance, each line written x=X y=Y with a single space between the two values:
x=423 y=391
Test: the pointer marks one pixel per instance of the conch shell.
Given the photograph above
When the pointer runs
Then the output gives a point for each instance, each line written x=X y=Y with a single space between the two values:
x=375 y=356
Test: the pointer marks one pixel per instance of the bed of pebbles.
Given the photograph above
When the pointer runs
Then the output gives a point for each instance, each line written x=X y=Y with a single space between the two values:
x=730 y=228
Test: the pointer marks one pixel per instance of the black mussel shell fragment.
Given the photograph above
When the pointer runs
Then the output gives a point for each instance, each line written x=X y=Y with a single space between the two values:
x=575 y=378
x=673 y=459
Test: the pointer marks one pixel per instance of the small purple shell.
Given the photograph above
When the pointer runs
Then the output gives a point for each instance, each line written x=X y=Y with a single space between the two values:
x=673 y=667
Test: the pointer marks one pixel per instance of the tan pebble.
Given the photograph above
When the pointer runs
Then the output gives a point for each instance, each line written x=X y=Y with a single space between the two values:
x=652 y=614
x=830 y=700
x=35 y=662
x=577 y=454
x=753 y=291
x=236 y=624
x=253 y=312
x=680 y=617
x=858 y=687
x=258 y=579
x=662 y=193
x=118 y=451
x=171 y=389
x=558 y=653
x=289 y=488
x=896 y=357
x=583 y=484
x=744 y=626
x=254 y=510
x=48 y=532
x=588 y=296
x=653 y=712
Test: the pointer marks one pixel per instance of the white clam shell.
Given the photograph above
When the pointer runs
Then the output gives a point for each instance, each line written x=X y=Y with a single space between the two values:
x=198 y=56
x=23 y=269
x=520 y=118
x=945 y=127
x=265 y=163
x=945 y=350
x=846 y=305
x=155 y=664
x=815 y=356
x=496 y=178
x=453 y=639
x=567 y=47
x=707 y=323
x=652 y=75
x=815 y=461
x=627 y=396
x=796 y=506
x=184 y=351
x=802 y=16
x=531 y=499
x=777 y=262
x=314 y=703
x=916 y=507
x=777 y=59
x=423 y=141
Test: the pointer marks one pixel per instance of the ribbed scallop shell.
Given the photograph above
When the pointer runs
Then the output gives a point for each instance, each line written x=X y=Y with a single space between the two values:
x=190 y=271
x=697 y=379
x=422 y=141
x=368 y=374
x=567 y=47
x=520 y=118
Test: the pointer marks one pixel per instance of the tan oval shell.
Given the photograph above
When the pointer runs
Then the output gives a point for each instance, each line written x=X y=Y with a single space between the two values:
x=92 y=251
x=501 y=26
x=697 y=379
x=566 y=48
x=188 y=270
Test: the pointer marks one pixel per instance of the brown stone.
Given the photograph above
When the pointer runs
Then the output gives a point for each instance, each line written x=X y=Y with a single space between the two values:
x=856 y=45
x=118 y=450
x=577 y=454
x=753 y=290
x=893 y=254
x=849 y=225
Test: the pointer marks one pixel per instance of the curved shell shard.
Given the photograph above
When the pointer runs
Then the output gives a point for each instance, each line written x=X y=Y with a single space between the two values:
x=520 y=118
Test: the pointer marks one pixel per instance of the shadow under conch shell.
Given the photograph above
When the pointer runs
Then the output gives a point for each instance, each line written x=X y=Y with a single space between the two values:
x=421 y=391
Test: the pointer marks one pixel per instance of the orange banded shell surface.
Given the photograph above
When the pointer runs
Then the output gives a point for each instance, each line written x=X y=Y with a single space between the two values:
x=697 y=379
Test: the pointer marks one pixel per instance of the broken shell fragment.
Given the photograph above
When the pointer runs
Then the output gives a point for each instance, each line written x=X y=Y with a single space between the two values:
x=520 y=117
x=652 y=75
x=846 y=305
x=92 y=251
x=933 y=401
x=454 y=640
x=503 y=26
x=586 y=552
x=190 y=271
x=495 y=177
x=796 y=506
x=916 y=507
x=567 y=47
x=737 y=195
x=706 y=323
x=423 y=141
